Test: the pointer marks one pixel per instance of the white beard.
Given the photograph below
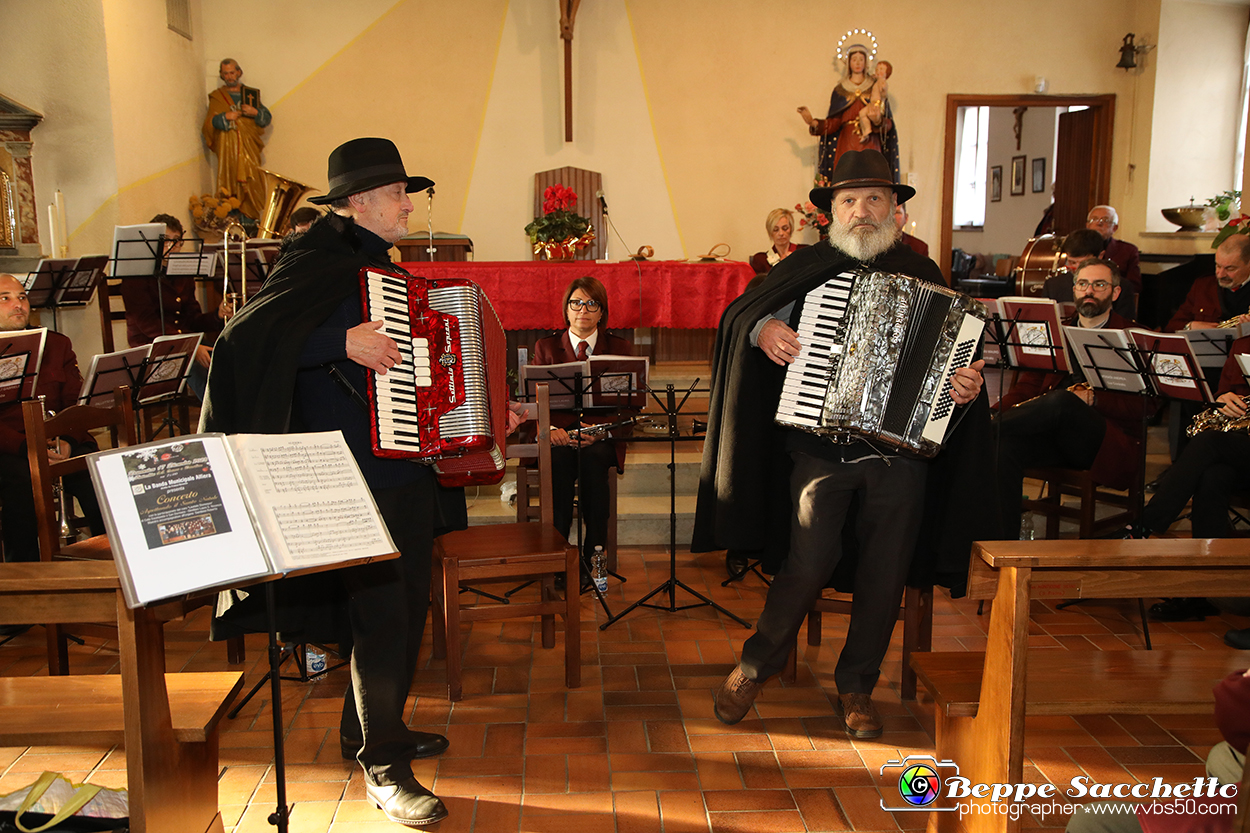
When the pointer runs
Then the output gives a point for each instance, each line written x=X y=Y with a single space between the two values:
x=861 y=245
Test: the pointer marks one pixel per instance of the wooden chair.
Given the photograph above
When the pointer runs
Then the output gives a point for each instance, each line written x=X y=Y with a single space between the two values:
x=1079 y=483
x=44 y=474
x=508 y=552
x=74 y=420
x=916 y=613
x=586 y=184
x=110 y=288
x=528 y=510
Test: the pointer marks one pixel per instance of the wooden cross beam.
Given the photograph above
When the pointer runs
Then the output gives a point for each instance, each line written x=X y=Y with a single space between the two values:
x=568 y=11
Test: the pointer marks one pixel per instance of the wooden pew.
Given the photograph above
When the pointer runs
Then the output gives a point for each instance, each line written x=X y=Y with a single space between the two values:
x=167 y=722
x=982 y=698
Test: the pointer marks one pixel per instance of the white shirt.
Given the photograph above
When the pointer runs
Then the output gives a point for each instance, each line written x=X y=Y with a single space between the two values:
x=590 y=342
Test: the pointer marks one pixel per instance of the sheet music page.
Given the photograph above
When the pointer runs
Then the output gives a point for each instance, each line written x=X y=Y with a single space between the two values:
x=309 y=499
x=1211 y=346
x=176 y=517
x=560 y=379
x=1103 y=359
x=135 y=249
x=1243 y=363
x=21 y=353
x=1173 y=366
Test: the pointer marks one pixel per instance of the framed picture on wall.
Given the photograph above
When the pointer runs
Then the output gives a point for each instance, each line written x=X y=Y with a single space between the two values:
x=1017 y=175
x=1039 y=175
x=996 y=183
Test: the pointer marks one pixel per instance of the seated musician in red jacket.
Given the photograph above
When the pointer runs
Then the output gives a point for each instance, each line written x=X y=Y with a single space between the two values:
x=60 y=382
x=586 y=314
x=1219 y=297
x=1213 y=466
x=1056 y=420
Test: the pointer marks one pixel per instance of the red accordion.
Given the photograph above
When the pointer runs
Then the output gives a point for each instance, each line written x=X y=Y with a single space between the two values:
x=447 y=400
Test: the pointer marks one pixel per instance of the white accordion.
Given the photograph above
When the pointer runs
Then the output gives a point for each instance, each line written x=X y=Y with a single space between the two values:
x=878 y=353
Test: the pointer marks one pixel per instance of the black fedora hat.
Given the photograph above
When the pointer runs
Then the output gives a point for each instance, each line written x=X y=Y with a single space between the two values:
x=860 y=169
x=362 y=164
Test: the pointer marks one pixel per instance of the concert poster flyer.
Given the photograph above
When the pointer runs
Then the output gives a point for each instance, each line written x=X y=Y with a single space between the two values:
x=175 y=493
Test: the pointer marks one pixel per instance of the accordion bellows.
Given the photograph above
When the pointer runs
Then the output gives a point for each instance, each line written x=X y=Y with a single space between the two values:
x=878 y=354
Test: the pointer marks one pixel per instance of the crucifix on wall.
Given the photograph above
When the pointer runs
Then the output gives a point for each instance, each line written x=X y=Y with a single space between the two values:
x=568 y=11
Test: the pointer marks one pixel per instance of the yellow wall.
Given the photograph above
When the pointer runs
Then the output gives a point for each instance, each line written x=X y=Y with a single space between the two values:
x=714 y=145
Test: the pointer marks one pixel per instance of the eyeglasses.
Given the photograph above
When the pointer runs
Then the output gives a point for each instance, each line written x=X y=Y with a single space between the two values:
x=1101 y=221
x=578 y=303
x=1083 y=285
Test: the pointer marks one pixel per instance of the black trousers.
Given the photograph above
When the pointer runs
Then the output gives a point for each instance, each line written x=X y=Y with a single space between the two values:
x=891 y=503
x=21 y=530
x=1056 y=429
x=597 y=461
x=387 y=605
x=1212 y=466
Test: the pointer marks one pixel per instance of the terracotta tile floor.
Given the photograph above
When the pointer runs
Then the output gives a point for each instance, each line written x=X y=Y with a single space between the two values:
x=636 y=748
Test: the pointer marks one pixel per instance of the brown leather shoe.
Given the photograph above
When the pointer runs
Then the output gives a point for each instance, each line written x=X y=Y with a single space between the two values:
x=735 y=696
x=859 y=715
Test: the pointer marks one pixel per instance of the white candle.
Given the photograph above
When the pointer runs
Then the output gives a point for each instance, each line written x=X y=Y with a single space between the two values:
x=51 y=230
x=62 y=223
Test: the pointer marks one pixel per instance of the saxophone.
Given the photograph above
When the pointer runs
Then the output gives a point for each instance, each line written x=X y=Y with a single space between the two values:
x=1215 y=420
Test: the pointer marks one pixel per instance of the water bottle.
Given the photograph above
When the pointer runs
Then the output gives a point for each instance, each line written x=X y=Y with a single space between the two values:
x=1027 y=532
x=314 y=660
x=599 y=569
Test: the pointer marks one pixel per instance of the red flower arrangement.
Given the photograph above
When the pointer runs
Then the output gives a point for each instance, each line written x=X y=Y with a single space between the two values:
x=560 y=231
x=813 y=217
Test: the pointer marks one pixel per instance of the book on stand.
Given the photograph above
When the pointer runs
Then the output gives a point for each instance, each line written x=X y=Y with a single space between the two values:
x=210 y=511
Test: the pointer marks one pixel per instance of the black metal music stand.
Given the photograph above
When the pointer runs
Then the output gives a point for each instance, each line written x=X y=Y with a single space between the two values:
x=671 y=408
x=576 y=386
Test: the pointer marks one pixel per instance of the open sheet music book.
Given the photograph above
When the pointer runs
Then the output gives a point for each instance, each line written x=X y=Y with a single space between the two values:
x=1137 y=360
x=64 y=281
x=21 y=353
x=608 y=381
x=1033 y=334
x=206 y=511
x=153 y=371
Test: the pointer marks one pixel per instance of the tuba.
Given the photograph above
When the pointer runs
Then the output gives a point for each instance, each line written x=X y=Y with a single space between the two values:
x=284 y=196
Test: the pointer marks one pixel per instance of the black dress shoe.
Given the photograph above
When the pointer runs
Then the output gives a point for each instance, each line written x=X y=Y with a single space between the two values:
x=1183 y=610
x=420 y=745
x=407 y=803
x=1239 y=639
x=736 y=563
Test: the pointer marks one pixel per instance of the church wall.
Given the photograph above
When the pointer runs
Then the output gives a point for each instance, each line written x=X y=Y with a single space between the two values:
x=1194 y=128
x=688 y=110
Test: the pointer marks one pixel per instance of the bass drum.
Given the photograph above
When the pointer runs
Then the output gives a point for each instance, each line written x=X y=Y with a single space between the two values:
x=1040 y=260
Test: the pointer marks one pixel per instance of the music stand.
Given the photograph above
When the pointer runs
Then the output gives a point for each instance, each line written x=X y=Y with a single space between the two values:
x=571 y=387
x=154 y=372
x=671 y=408
x=64 y=282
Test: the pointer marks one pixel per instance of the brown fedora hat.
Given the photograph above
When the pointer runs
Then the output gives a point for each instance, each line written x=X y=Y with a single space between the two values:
x=860 y=169
x=363 y=164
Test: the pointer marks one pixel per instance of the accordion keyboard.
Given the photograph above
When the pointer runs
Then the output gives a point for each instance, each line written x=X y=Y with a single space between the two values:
x=396 y=390
x=821 y=333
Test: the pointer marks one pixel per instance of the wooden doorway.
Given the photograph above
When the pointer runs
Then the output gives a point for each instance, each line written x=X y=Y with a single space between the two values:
x=1100 y=121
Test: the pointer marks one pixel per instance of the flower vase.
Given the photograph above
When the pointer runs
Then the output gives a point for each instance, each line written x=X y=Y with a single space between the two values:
x=560 y=251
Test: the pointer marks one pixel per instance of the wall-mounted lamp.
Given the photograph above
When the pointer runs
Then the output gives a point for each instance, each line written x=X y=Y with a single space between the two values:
x=1129 y=52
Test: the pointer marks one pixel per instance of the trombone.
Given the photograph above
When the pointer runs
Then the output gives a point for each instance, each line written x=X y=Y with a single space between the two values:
x=235 y=300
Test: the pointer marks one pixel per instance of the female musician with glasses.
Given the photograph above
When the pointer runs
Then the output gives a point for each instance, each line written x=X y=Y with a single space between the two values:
x=586 y=317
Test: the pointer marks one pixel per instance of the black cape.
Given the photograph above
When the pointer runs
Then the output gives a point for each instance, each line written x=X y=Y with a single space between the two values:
x=744 y=485
x=251 y=390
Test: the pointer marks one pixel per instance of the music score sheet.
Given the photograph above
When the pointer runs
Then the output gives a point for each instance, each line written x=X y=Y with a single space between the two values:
x=210 y=511
x=309 y=499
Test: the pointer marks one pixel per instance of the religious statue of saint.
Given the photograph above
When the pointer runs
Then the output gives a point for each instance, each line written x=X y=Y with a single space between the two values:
x=233 y=129
x=859 y=115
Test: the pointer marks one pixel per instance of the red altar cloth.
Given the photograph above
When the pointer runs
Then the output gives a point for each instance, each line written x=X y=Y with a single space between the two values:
x=672 y=294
